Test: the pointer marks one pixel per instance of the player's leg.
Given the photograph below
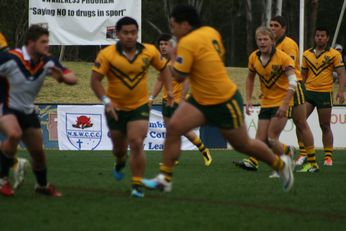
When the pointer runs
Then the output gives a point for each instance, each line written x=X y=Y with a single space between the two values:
x=33 y=140
x=305 y=135
x=118 y=137
x=136 y=133
x=119 y=142
x=10 y=127
x=185 y=118
x=275 y=128
x=167 y=114
x=324 y=116
x=311 y=102
x=252 y=163
x=137 y=129
x=241 y=142
x=191 y=136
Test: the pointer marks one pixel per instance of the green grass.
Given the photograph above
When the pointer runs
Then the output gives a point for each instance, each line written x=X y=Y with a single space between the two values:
x=221 y=197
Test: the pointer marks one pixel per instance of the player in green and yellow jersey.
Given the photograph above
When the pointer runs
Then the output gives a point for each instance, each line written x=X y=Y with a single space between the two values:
x=304 y=134
x=179 y=91
x=125 y=64
x=278 y=83
x=318 y=65
x=3 y=43
x=214 y=98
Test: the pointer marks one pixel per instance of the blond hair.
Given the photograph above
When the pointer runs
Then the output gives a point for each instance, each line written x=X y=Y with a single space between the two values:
x=265 y=31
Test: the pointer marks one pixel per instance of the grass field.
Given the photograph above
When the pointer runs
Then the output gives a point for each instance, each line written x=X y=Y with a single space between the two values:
x=81 y=93
x=221 y=197
x=52 y=92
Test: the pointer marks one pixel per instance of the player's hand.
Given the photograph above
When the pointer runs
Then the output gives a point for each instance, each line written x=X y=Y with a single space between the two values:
x=248 y=108
x=57 y=74
x=340 y=97
x=282 y=111
x=151 y=101
x=111 y=110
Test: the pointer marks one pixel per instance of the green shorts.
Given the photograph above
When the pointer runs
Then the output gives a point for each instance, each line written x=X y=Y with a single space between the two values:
x=319 y=99
x=299 y=94
x=228 y=115
x=140 y=113
x=270 y=112
x=168 y=111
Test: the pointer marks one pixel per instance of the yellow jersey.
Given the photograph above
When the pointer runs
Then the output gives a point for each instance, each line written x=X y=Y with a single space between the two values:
x=200 y=56
x=290 y=47
x=272 y=76
x=3 y=42
x=128 y=79
x=177 y=89
x=320 y=69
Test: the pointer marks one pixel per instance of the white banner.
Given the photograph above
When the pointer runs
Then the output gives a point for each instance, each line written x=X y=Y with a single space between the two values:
x=82 y=22
x=288 y=135
x=84 y=127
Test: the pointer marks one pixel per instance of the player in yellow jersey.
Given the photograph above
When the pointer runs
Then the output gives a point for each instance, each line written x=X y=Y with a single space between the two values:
x=179 y=91
x=304 y=134
x=318 y=65
x=3 y=43
x=20 y=165
x=214 y=98
x=278 y=83
x=125 y=64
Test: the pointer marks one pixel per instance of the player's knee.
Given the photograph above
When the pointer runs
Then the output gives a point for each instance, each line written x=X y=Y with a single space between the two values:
x=272 y=142
x=174 y=129
x=325 y=127
x=136 y=143
x=15 y=135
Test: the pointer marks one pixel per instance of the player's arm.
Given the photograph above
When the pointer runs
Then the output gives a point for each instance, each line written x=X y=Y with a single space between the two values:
x=165 y=77
x=304 y=69
x=96 y=86
x=177 y=75
x=63 y=75
x=156 y=90
x=250 y=83
x=292 y=84
x=185 y=90
x=304 y=74
x=342 y=79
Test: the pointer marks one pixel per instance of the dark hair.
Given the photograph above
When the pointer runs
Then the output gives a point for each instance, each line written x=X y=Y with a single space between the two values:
x=322 y=28
x=34 y=32
x=163 y=37
x=187 y=13
x=280 y=19
x=125 y=21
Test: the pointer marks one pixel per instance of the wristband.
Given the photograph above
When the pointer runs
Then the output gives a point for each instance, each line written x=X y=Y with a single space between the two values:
x=151 y=98
x=105 y=100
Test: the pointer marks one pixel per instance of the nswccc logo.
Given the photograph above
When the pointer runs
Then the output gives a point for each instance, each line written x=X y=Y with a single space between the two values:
x=84 y=131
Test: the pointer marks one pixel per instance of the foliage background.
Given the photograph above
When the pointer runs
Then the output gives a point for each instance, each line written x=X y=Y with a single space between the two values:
x=228 y=16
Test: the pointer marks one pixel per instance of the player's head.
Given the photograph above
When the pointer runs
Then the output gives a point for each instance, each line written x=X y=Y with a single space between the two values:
x=127 y=32
x=37 y=40
x=183 y=19
x=264 y=39
x=321 y=36
x=163 y=42
x=278 y=26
